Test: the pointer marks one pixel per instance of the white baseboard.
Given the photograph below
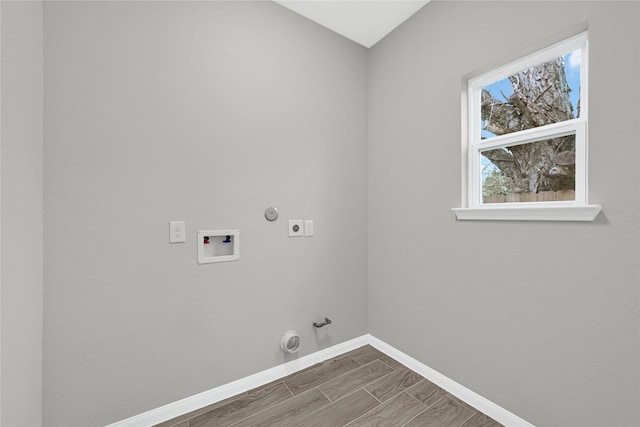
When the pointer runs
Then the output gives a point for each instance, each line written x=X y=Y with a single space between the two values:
x=472 y=398
x=197 y=401
x=217 y=394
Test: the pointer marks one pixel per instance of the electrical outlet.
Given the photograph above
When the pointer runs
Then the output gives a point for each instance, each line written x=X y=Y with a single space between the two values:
x=296 y=228
x=177 y=232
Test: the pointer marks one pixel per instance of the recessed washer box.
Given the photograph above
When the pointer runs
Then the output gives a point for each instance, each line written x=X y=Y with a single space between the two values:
x=218 y=246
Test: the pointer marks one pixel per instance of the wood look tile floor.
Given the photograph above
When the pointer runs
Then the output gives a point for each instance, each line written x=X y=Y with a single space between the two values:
x=361 y=388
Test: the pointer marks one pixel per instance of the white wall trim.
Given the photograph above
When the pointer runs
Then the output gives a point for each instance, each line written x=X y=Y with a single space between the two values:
x=529 y=212
x=181 y=407
x=192 y=403
x=472 y=398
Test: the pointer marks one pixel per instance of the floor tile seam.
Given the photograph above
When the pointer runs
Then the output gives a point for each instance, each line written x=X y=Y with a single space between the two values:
x=472 y=410
x=301 y=371
x=324 y=394
x=417 y=400
x=355 y=352
x=251 y=414
x=319 y=365
x=466 y=419
x=397 y=371
x=398 y=393
x=362 y=386
x=434 y=403
x=329 y=403
x=445 y=397
x=347 y=373
x=319 y=409
x=481 y=423
x=358 y=418
x=390 y=398
x=366 y=412
x=200 y=411
x=380 y=379
x=388 y=365
x=377 y=357
x=270 y=406
x=380 y=402
x=428 y=406
x=416 y=385
x=417 y=415
x=358 y=367
x=384 y=403
x=288 y=389
x=462 y=402
x=431 y=406
x=362 y=415
x=262 y=387
x=355 y=391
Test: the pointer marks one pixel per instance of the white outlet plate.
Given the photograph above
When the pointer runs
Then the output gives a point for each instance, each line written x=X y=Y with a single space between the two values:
x=308 y=228
x=296 y=227
x=177 y=232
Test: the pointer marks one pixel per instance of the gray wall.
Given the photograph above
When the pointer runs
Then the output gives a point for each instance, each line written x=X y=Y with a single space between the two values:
x=210 y=112
x=541 y=318
x=207 y=112
x=21 y=387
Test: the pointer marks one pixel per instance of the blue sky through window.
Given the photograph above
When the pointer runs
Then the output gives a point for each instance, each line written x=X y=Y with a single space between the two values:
x=502 y=90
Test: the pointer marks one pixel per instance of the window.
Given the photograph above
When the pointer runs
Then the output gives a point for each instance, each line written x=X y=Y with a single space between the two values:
x=526 y=138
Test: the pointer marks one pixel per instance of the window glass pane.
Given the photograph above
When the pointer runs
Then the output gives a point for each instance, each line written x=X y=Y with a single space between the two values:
x=537 y=96
x=541 y=171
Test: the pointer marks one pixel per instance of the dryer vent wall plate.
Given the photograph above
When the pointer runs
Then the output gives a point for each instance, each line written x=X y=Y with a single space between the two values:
x=271 y=213
x=290 y=342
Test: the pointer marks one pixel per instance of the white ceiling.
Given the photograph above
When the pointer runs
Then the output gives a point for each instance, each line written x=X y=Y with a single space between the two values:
x=364 y=21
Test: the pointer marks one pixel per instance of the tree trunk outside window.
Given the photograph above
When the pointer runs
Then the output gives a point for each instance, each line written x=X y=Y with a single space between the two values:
x=540 y=97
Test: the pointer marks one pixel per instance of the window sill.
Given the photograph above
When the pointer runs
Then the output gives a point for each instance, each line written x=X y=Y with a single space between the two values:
x=529 y=213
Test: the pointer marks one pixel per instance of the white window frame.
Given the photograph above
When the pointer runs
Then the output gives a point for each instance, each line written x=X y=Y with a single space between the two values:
x=574 y=210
